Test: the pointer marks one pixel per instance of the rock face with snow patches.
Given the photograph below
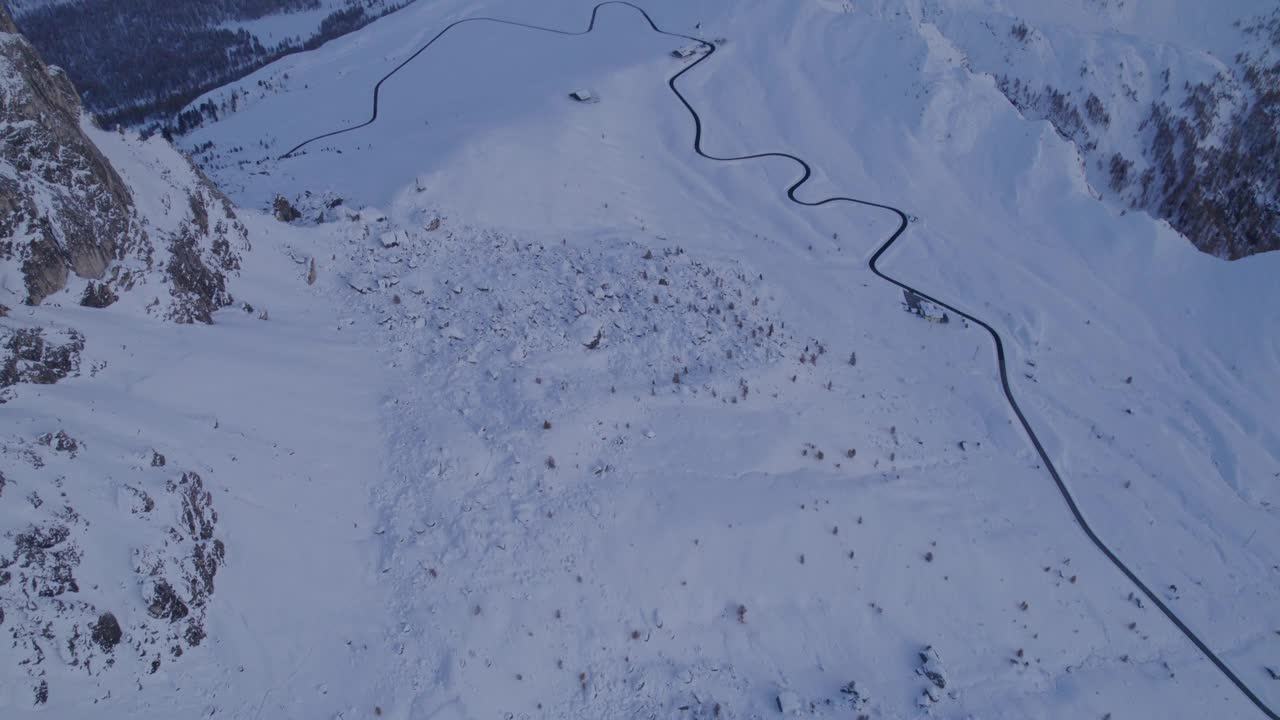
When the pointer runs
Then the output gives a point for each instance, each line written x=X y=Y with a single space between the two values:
x=64 y=208
x=70 y=222
x=75 y=231
x=58 y=607
x=132 y=230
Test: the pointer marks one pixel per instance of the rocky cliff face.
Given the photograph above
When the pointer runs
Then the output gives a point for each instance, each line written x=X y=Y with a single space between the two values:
x=70 y=224
x=63 y=208
x=94 y=218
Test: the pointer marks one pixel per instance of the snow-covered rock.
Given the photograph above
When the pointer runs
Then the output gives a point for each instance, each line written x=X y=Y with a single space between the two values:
x=931 y=670
x=789 y=703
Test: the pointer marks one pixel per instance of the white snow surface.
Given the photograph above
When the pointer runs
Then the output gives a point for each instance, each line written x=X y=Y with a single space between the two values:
x=584 y=438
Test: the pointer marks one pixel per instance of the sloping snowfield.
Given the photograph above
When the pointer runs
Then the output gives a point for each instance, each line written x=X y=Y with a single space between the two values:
x=574 y=423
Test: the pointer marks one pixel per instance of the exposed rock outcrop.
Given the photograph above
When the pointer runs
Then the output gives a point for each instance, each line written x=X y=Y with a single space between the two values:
x=66 y=212
x=96 y=219
x=63 y=207
x=51 y=611
x=38 y=356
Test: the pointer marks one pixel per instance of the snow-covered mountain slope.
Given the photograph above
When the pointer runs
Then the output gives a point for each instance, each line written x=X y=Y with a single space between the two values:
x=141 y=460
x=1171 y=103
x=206 y=487
x=1144 y=364
x=554 y=418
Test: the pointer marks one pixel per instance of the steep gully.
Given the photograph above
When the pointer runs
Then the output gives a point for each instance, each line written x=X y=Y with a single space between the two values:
x=903 y=222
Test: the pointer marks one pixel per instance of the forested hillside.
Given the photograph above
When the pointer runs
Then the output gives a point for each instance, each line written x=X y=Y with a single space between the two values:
x=136 y=59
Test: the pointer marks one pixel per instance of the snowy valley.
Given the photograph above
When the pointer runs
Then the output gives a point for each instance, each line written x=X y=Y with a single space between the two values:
x=507 y=405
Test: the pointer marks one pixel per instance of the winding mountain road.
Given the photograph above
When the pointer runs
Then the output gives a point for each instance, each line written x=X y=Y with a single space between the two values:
x=873 y=263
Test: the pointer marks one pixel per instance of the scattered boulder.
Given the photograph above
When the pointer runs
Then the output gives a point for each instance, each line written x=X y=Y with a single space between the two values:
x=588 y=331
x=98 y=295
x=165 y=603
x=60 y=442
x=363 y=283
x=393 y=238
x=284 y=210
x=789 y=703
x=928 y=697
x=857 y=696
x=932 y=670
x=106 y=632
x=931 y=667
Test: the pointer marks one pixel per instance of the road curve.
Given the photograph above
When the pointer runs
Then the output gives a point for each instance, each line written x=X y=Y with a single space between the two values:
x=903 y=222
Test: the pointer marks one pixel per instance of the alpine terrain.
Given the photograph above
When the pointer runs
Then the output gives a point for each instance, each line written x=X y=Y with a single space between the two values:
x=888 y=359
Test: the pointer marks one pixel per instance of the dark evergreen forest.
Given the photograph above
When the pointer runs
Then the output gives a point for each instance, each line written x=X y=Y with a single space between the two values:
x=144 y=60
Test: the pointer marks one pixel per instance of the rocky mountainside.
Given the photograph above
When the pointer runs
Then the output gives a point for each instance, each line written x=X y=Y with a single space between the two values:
x=99 y=225
x=1215 y=156
x=65 y=209
x=1184 y=127
x=70 y=223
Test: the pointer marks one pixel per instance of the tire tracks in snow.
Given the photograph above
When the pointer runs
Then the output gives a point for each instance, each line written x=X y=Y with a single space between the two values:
x=872 y=263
